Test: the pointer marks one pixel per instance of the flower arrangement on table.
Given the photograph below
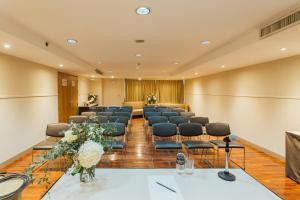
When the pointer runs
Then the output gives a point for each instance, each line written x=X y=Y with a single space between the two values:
x=92 y=98
x=83 y=145
x=151 y=99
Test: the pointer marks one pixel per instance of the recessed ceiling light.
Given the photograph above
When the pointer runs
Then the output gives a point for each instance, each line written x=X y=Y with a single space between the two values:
x=196 y=73
x=283 y=49
x=205 y=42
x=140 y=79
x=176 y=63
x=61 y=65
x=143 y=11
x=72 y=41
x=112 y=77
x=6 y=46
x=138 y=55
x=92 y=76
x=222 y=66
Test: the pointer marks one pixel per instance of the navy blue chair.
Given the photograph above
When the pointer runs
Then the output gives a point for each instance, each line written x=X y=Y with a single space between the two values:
x=178 y=120
x=148 y=109
x=112 y=109
x=165 y=130
x=149 y=114
x=119 y=119
x=105 y=114
x=200 y=120
x=169 y=114
x=163 y=109
x=178 y=110
x=125 y=114
x=102 y=119
x=223 y=130
x=126 y=109
x=187 y=114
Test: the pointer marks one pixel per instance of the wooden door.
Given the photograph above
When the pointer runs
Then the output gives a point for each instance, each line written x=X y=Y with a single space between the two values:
x=67 y=96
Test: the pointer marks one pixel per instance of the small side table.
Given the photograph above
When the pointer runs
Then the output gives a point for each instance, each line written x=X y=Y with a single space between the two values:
x=292 y=164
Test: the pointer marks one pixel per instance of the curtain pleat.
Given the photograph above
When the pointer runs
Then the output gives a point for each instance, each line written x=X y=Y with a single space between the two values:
x=166 y=91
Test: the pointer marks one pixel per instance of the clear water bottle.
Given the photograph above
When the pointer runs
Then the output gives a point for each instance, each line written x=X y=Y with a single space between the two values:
x=180 y=163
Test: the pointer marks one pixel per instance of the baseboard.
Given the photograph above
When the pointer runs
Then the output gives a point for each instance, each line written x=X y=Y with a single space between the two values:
x=266 y=151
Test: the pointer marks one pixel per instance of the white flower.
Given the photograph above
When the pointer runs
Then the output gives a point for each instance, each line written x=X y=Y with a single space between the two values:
x=89 y=154
x=69 y=137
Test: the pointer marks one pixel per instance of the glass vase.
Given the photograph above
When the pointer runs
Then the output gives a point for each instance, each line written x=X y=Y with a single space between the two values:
x=87 y=175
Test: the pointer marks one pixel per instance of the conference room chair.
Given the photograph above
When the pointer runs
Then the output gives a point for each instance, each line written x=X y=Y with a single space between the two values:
x=126 y=109
x=178 y=110
x=108 y=114
x=147 y=115
x=187 y=114
x=125 y=114
x=148 y=109
x=222 y=130
x=112 y=109
x=119 y=137
x=163 y=109
x=89 y=114
x=200 y=120
x=169 y=114
x=121 y=119
x=178 y=120
x=163 y=137
x=190 y=136
x=154 y=120
x=77 y=119
x=53 y=135
x=102 y=119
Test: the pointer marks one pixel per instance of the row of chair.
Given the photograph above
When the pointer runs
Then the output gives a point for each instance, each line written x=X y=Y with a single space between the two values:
x=191 y=131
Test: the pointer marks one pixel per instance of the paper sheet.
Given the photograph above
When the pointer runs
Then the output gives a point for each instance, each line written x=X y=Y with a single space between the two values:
x=158 y=192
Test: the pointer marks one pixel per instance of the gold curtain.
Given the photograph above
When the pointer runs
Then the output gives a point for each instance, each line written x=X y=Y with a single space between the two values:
x=170 y=91
x=166 y=91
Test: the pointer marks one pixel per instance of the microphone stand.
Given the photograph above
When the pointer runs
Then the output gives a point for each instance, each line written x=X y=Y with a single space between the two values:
x=226 y=175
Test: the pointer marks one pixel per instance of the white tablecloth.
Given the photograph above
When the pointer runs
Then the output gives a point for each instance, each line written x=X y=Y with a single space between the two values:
x=133 y=184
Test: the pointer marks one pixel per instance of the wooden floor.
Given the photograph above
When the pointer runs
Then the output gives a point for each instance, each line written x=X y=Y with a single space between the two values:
x=266 y=169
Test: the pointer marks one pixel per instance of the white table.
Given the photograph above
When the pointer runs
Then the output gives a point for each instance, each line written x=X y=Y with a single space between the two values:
x=132 y=184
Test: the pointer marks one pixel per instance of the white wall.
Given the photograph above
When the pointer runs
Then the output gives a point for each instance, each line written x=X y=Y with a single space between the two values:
x=28 y=102
x=259 y=102
x=83 y=90
x=113 y=92
x=96 y=87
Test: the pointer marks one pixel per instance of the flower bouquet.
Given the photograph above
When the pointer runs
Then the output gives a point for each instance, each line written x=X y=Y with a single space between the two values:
x=151 y=99
x=83 y=145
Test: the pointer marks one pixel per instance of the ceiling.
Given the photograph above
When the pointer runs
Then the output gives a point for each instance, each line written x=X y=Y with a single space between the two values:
x=106 y=30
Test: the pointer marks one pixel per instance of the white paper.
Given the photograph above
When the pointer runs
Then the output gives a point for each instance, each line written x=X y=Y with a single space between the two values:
x=158 y=192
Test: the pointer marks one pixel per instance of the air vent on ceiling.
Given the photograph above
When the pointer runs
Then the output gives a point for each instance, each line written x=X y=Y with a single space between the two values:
x=98 y=71
x=283 y=23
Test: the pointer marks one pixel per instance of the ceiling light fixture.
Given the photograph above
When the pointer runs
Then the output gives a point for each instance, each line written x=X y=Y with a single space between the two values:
x=61 y=65
x=140 y=79
x=93 y=76
x=72 y=41
x=196 y=73
x=112 y=77
x=176 y=63
x=6 y=46
x=143 y=11
x=205 y=42
x=138 y=55
x=222 y=66
x=283 y=49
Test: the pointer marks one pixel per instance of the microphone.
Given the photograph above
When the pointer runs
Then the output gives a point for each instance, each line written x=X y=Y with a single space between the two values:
x=226 y=175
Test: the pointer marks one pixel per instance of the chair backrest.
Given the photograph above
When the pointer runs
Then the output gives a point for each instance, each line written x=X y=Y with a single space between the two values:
x=178 y=120
x=112 y=109
x=218 y=129
x=178 y=110
x=78 y=119
x=119 y=119
x=126 y=109
x=125 y=114
x=55 y=129
x=119 y=129
x=187 y=114
x=105 y=113
x=190 y=129
x=148 y=114
x=88 y=114
x=157 y=119
x=164 y=109
x=164 y=129
x=149 y=109
x=169 y=114
x=102 y=119
x=200 y=120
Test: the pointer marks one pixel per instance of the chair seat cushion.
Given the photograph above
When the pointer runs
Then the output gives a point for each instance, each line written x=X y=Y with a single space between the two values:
x=118 y=145
x=221 y=144
x=167 y=145
x=46 y=145
x=197 y=144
